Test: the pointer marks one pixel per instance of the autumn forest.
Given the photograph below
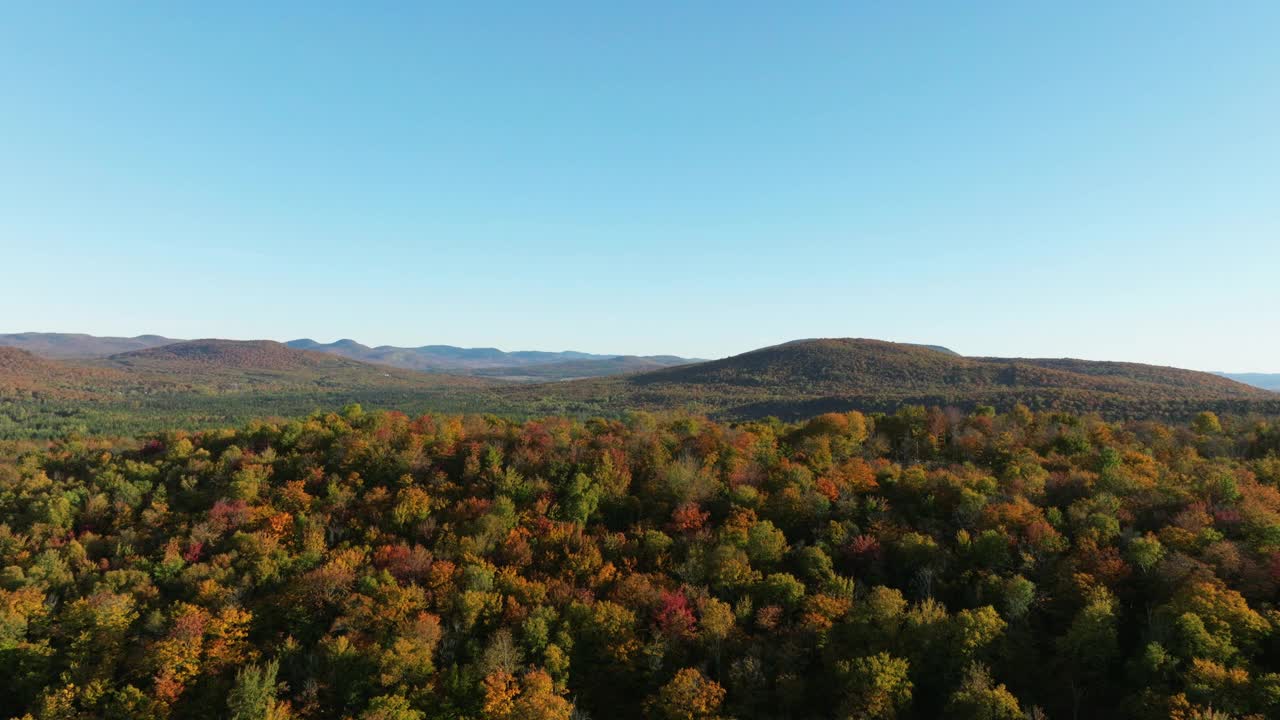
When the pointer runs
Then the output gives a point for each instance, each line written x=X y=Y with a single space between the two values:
x=918 y=564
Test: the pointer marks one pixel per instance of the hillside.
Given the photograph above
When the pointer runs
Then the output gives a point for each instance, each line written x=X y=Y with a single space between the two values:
x=26 y=376
x=71 y=346
x=197 y=355
x=269 y=365
x=823 y=366
x=808 y=377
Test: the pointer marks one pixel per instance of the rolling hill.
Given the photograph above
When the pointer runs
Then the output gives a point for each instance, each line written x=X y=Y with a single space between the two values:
x=71 y=346
x=235 y=365
x=194 y=356
x=26 y=376
x=808 y=377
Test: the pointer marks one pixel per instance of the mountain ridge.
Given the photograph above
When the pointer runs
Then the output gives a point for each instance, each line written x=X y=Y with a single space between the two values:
x=245 y=354
x=481 y=361
x=213 y=382
x=834 y=374
x=449 y=359
x=71 y=346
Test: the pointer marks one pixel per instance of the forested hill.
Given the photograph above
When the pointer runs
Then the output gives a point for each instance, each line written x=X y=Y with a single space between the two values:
x=229 y=365
x=208 y=383
x=79 y=345
x=198 y=355
x=193 y=368
x=25 y=376
x=912 y=566
x=847 y=364
x=807 y=377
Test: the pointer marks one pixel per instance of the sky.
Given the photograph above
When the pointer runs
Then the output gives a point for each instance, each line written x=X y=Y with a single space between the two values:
x=1089 y=179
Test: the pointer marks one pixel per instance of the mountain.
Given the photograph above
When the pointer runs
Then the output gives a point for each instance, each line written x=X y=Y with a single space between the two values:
x=66 y=346
x=490 y=362
x=196 y=355
x=808 y=377
x=223 y=365
x=1267 y=381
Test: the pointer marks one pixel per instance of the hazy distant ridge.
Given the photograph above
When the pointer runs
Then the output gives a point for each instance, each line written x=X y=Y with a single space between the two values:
x=492 y=362
x=1267 y=381
x=205 y=383
x=77 y=346
x=486 y=361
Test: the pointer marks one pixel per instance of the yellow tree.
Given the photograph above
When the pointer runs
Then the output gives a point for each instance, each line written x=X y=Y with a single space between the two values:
x=689 y=695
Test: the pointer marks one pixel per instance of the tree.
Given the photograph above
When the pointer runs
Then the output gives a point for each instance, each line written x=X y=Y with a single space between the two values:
x=98 y=625
x=975 y=630
x=782 y=589
x=877 y=687
x=1145 y=552
x=689 y=695
x=766 y=544
x=1019 y=594
x=1207 y=423
x=539 y=699
x=1090 y=645
x=978 y=698
x=580 y=499
x=253 y=697
x=1214 y=621
x=391 y=707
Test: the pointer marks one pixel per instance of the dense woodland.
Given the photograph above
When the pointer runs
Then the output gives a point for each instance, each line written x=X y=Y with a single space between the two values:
x=929 y=563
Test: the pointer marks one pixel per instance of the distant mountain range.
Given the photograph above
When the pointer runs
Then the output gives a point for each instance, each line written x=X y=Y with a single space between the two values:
x=493 y=362
x=78 y=346
x=1269 y=381
x=210 y=383
x=206 y=368
x=219 y=382
x=519 y=365
x=489 y=362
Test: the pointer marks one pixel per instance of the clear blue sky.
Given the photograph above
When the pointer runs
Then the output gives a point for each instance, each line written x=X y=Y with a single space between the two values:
x=1088 y=179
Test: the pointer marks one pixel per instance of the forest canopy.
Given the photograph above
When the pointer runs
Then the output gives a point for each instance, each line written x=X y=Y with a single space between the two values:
x=919 y=564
